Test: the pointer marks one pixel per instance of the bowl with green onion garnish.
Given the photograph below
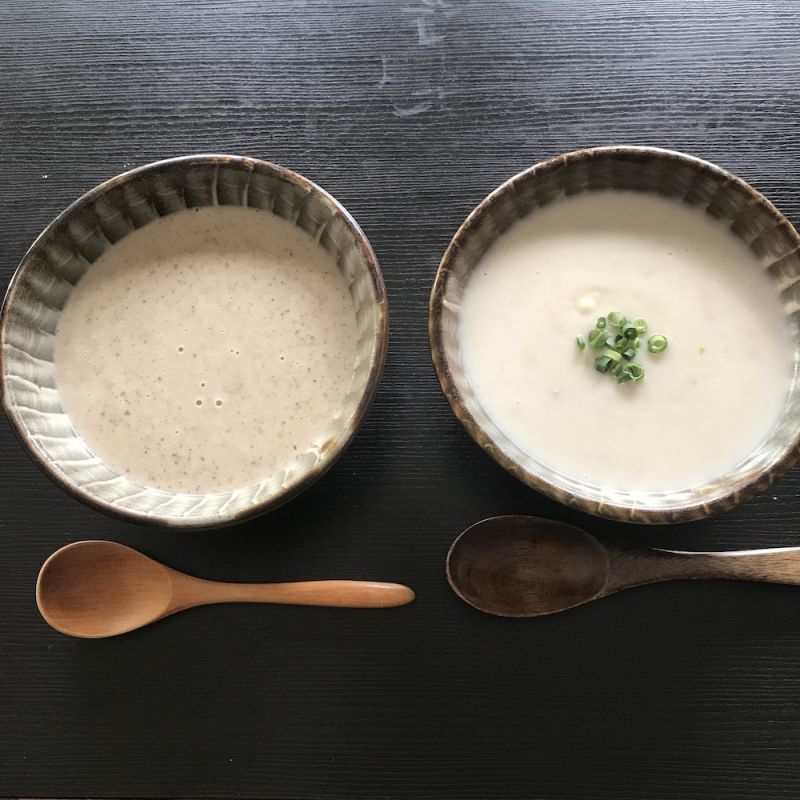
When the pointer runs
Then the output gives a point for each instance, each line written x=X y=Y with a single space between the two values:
x=580 y=326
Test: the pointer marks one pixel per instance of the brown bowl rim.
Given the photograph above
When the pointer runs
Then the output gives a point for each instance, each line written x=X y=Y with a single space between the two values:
x=685 y=513
x=312 y=476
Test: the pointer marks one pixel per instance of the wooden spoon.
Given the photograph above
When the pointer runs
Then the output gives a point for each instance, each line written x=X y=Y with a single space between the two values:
x=526 y=566
x=94 y=589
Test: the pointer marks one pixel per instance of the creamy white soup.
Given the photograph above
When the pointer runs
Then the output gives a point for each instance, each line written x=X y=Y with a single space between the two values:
x=207 y=350
x=704 y=404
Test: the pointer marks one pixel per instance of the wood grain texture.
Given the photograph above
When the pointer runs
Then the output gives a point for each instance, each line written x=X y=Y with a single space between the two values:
x=409 y=114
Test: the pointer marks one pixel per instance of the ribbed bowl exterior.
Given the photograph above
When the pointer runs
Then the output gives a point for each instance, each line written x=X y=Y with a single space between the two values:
x=685 y=179
x=74 y=240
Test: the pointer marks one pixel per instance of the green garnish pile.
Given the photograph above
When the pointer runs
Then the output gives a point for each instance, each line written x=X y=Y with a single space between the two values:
x=618 y=339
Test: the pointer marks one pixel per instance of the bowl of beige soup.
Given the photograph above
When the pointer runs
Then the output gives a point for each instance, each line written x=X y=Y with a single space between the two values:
x=195 y=341
x=692 y=252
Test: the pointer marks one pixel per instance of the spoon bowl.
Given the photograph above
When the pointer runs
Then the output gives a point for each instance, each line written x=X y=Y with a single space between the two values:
x=102 y=589
x=517 y=566
x=94 y=589
x=509 y=568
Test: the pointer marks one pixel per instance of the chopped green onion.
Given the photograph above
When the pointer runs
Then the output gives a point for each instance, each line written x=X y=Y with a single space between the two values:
x=619 y=342
x=617 y=337
x=597 y=338
x=617 y=319
x=634 y=370
x=657 y=343
x=612 y=354
x=629 y=330
x=602 y=363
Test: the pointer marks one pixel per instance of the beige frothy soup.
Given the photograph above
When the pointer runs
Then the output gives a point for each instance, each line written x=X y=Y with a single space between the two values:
x=207 y=350
x=705 y=404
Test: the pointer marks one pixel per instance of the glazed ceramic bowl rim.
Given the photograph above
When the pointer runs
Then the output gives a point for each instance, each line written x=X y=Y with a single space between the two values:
x=304 y=479
x=684 y=512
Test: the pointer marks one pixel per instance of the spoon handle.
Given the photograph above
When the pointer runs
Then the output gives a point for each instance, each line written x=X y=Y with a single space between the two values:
x=347 y=594
x=633 y=566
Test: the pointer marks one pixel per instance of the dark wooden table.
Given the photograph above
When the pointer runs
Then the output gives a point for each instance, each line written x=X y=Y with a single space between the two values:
x=409 y=114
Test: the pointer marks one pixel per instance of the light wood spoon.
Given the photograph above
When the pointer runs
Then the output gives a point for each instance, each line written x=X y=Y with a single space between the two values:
x=526 y=566
x=94 y=589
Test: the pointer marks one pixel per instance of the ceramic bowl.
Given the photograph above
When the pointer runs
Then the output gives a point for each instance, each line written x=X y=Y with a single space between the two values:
x=68 y=246
x=697 y=183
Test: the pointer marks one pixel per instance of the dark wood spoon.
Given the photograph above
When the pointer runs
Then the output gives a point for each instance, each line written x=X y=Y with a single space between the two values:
x=518 y=566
